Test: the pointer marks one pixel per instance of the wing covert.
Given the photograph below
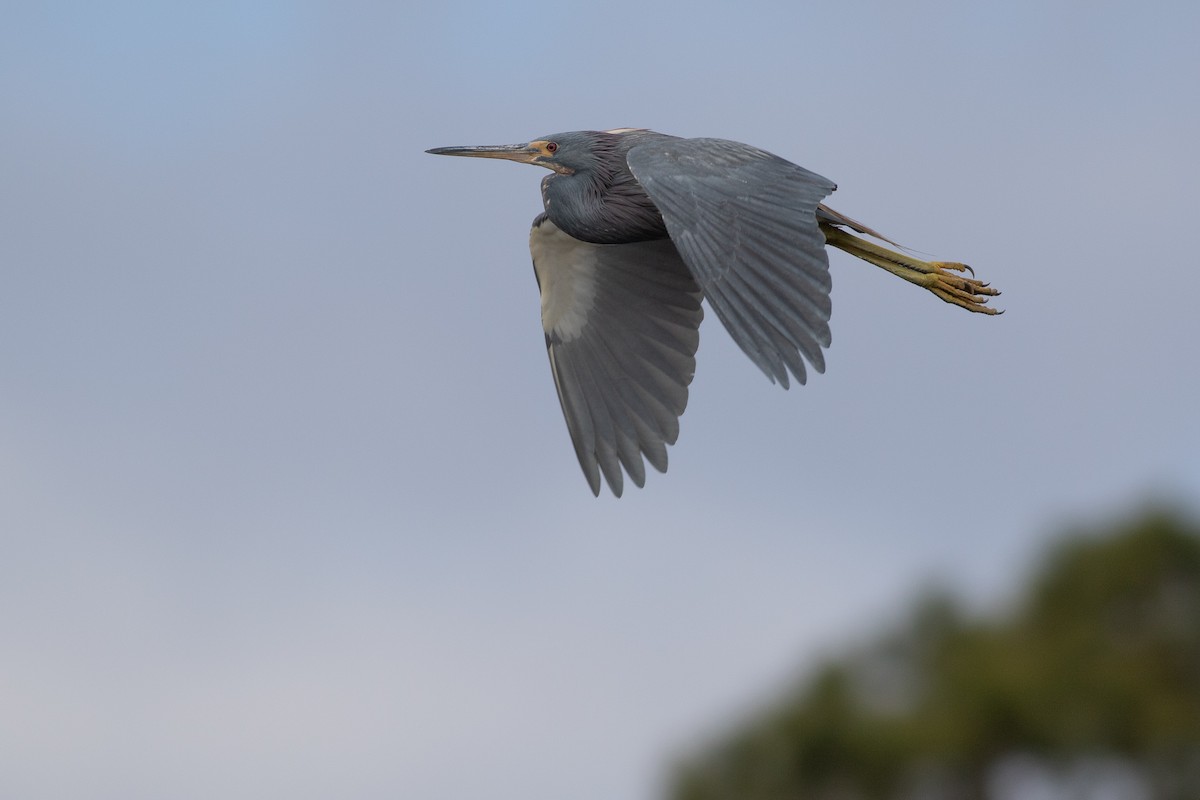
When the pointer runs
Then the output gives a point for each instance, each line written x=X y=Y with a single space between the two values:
x=745 y=223
x=622 y=327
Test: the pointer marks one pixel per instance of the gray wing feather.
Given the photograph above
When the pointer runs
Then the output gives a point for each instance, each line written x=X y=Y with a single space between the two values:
x=622 y=327
x=745 y=222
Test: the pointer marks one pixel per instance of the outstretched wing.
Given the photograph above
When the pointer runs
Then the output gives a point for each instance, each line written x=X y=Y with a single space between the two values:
x=622 y=326
x=745 y=222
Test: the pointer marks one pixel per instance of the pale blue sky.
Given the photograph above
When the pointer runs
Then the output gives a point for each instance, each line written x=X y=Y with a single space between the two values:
x=287 y=505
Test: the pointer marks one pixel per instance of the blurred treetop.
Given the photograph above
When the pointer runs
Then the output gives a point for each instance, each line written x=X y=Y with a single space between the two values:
x=1089 y=687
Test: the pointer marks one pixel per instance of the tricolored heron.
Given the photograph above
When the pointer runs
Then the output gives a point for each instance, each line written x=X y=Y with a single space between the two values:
x=638 y=227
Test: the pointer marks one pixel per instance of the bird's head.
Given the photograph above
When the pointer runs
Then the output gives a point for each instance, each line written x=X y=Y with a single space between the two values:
x=565 y=153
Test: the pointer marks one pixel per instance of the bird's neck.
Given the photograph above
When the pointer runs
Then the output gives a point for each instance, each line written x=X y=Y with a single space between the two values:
x=601 y=208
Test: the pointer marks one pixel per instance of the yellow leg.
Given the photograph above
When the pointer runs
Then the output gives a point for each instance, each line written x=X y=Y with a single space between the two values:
x=936 y=276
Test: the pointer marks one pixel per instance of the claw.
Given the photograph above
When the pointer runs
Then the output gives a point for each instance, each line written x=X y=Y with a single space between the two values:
x=965 y=293
x=954 y=265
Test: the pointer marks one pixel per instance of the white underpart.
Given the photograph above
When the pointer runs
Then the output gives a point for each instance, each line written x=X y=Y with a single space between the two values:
x=566 y=271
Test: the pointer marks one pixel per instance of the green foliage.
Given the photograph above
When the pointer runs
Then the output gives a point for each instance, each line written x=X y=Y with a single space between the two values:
x=1101 y=657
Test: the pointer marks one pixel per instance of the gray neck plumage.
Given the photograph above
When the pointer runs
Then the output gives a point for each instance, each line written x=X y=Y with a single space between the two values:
x=603 y=203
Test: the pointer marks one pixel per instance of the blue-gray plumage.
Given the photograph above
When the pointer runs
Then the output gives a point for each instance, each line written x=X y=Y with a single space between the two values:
x=639 y=227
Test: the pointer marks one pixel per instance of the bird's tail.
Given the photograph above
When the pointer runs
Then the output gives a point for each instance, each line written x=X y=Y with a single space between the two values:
x=937 y=276
x=825 y=214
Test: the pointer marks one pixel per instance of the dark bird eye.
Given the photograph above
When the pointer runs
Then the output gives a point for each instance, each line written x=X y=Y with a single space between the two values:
x=551 y=147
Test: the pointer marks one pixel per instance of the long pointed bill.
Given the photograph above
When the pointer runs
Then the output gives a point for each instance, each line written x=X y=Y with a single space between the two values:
x=525 y=153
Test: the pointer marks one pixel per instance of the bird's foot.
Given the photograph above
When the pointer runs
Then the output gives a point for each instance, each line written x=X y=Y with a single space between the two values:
x=958 y=289
x=946 y=279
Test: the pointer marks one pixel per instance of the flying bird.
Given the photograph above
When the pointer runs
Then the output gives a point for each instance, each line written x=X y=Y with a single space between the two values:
x=640 y=226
